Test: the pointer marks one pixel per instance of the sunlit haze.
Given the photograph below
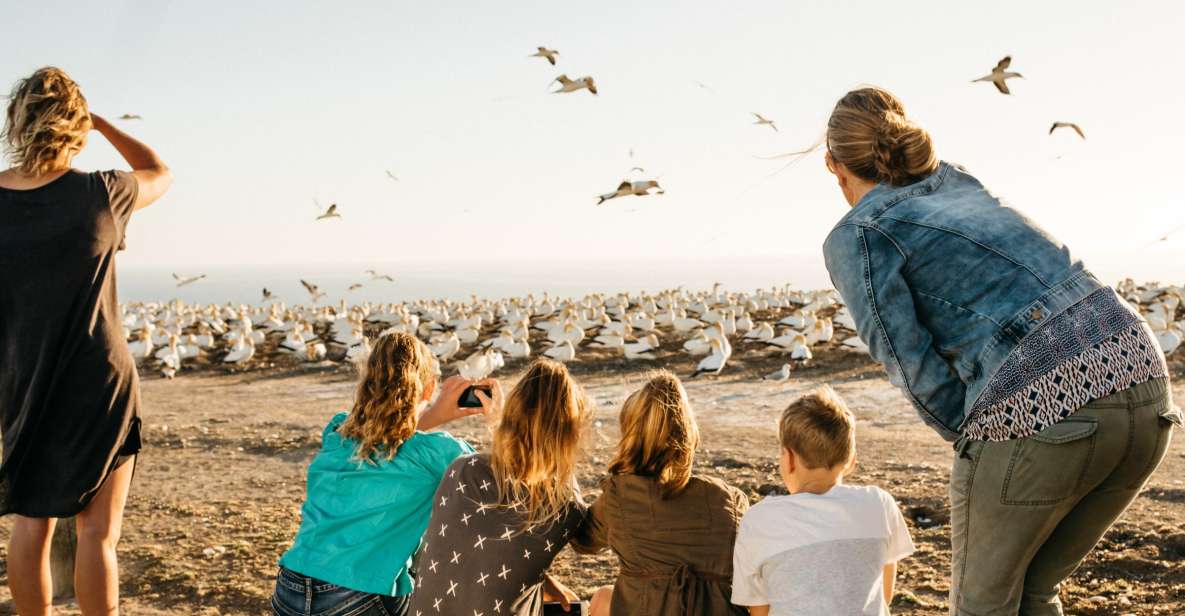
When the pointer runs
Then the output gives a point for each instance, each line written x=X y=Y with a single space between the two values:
x=260 y=108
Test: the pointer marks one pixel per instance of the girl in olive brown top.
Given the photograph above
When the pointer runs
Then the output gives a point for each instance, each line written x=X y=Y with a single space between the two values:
x=672 y=531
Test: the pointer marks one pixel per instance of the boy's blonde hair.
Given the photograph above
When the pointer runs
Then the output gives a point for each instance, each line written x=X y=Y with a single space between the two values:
x=819 y=429
x=658 y=434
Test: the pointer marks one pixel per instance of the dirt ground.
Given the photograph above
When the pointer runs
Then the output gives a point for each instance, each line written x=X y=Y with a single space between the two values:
x=218 y=489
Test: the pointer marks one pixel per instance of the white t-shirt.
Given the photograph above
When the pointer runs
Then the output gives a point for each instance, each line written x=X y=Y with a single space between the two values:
x=816 y=554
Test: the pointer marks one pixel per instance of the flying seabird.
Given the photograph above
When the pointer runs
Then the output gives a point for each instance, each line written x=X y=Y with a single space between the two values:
x=544 y=52
x=571 y=85
x=763 y=120
x=1077 y=129
x=182 y=281
x=1000 y=75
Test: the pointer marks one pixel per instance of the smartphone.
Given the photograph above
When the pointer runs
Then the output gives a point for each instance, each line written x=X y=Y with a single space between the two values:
x=556 y=609
x=469 y=398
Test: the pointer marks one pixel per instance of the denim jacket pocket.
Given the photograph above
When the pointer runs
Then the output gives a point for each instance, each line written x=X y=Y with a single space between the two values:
x=1048 y=467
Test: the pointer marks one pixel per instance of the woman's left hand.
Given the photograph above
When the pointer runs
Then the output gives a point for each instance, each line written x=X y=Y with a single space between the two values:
x=554 y=590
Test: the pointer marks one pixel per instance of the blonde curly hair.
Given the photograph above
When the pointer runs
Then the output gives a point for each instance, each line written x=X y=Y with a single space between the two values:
x=393 y=382
x=47 y=122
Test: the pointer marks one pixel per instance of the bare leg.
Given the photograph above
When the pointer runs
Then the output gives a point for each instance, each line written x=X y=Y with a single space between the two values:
x=28 y=565
x=599 y=606
x=96 y=572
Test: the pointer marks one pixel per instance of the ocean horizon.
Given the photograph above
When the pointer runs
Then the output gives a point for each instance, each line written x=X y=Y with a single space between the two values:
x=455 y=280
x=496 y=279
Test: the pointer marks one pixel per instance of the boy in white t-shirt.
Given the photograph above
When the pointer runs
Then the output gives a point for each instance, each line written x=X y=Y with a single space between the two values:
x=826 y=548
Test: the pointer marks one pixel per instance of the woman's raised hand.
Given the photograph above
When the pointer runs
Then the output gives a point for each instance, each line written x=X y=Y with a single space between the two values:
x=152 y=175
x=491 y=405
x=446 y=407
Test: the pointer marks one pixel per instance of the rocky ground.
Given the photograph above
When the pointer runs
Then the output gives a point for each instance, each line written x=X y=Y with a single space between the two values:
x=218 y=489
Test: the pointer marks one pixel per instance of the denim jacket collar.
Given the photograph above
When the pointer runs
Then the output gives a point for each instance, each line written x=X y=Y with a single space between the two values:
x=881 y=196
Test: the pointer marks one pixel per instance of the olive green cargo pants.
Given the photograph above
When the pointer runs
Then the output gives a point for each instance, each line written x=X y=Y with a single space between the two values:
x=1025 y=513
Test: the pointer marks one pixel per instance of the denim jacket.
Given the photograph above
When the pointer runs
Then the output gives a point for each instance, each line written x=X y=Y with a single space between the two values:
x=944 y=282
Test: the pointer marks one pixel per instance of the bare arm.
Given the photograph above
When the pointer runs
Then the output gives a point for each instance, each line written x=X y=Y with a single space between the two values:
x=890 y=579
x=758 y=610
x=152 y=174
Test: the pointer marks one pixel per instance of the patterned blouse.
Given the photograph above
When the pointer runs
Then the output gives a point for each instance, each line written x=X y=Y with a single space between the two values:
x=479 y=558
x=1098 y=347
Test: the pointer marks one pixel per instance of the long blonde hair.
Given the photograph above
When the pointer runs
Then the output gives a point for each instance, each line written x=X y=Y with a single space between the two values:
x=46 y=123
x=392 y=385
x=537 y=441
x=869 y=133
x=659 y=434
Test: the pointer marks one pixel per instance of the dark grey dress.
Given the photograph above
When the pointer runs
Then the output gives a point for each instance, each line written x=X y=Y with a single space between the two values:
x=69 y=393
x=477 y=558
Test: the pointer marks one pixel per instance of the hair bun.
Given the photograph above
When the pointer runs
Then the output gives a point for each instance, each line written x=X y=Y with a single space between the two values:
x=870 y=135
x=903 y=149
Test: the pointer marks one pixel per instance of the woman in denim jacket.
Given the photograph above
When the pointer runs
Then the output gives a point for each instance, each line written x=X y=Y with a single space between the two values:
x=1052 y=389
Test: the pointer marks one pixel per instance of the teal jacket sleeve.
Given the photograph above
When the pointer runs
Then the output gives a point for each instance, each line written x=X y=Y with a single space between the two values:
x=866 y=267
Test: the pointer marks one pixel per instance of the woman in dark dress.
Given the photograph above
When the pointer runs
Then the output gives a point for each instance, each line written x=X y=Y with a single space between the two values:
x=69 y=394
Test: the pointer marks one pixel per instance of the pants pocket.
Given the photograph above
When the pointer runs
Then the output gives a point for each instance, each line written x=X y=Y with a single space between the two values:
x=1164 y=427
x=1048 y=467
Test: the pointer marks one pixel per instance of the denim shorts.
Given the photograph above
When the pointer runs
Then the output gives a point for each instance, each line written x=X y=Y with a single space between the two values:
x=300 y=595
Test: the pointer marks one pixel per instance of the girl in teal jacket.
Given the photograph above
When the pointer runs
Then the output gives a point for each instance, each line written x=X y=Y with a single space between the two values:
x=370 y=489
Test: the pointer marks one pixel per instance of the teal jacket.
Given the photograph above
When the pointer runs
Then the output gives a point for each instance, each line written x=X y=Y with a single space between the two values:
x=361 y=522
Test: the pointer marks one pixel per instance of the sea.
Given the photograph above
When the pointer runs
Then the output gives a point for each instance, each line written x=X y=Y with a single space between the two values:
x=559 y=278
x=462 y=280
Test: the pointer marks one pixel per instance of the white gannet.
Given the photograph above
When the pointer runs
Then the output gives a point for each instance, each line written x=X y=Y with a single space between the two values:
x=714 y=362
x=698 y=344
x=241 y=352
x=331 y=212
x=856 y=344
x=1077 y=129
x=446 y=347
x=683 y=323
x=610 y=340
x=141 y=348
x=312 y=289
x=763 y=332
x=377 y=276
x=518 y=349
x=637 y=189
x=561 y=352
x=315 y=351
x=358 y=353
x=763 y=120
x=1000 y=75
x=572 y=85
x=544 y=52
x=642 y=349
x=781 y=374
x=184 y=280
x=800 y=349
x=478 y=365
x=1169 y=341
x=293 y=342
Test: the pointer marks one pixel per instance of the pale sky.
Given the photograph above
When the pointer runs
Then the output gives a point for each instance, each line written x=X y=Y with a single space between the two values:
x=261 y=107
